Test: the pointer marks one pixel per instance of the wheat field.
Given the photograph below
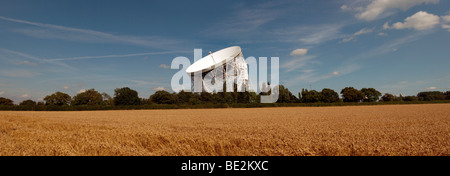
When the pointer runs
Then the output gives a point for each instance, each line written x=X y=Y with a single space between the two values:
x=292 y=131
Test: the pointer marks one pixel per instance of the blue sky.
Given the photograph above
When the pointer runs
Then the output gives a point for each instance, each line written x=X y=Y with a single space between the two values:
x=400 y=47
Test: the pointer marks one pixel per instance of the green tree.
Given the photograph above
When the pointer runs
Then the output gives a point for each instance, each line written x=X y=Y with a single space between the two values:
x=88 y=97
x=27 y=103
x=195 y=99
x=162 y=97
x=206 y=97
x=351 y=94
x=265 y=89
x=388 y=97
x=254 y=98
x=126 y=96
x=243 y=97
x=145 y=101
x=311 y=96
x=183 y=97
x=285 y=96
x=398 y=98
x=229 y=97
x=219 y=97
x=410 y=98
x=447 y=95
x=107 y=99
x=329 y=96
x=6 y=102
x=371 y=94
x=58 y=99
x=430 y=96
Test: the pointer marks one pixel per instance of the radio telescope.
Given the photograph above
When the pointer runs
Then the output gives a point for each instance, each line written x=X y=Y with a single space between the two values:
x=224 y=65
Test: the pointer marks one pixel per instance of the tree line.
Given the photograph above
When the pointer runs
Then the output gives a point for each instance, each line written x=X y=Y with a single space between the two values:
x=129 y=97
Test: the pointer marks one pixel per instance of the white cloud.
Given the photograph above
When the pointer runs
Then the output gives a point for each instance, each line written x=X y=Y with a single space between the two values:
x=335 y=73
x=363 y=31
x=66 y=87
x=25 y=96
x=344 y=7
x=444 y=26
x=431 y=88
x=2 y=92
x=299 y=52
x=360 y=32
x=158 y=88
x=446 y=18
x=164 y=66
x=419 y=21
x=382 y=34
x=381 y=7
x=81 y=91
x=386 y=26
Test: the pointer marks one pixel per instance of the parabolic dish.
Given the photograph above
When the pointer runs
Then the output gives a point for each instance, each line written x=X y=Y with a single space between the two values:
x=214 y=60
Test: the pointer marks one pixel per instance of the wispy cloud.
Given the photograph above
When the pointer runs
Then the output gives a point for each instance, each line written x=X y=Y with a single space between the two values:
x=18 y=73
x=26 y=63
x=360 y=32
x=391 y=46
x=311 y=35
x=115 y=56
x=311 y=77
x=51 y=31
x=297 y=63
x=144 y=83
x=164 y=66
x=382 y=34
x=244 y=20
x=25 y=96
x=39 y=60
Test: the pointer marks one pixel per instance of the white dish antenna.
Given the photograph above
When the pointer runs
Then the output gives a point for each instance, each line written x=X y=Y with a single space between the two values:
x=219 y=65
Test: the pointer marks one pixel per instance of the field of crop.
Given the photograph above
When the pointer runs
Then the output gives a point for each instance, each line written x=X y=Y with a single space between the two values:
x=350 y=130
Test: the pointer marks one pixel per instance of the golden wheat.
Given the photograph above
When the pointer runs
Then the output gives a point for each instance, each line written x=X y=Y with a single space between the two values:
x=351 y=130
